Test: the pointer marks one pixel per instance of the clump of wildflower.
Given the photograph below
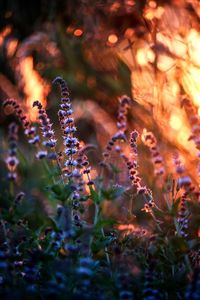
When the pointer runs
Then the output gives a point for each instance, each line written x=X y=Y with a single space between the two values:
x=12 y=160
x=71 y=143
x=29 y=131
x=150 y=141
x=183 y=216
x=124 y=105
x=47 y=133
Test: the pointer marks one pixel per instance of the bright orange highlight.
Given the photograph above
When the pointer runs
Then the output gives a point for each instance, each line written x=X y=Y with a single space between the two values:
x=112 y=38
x=78 y=32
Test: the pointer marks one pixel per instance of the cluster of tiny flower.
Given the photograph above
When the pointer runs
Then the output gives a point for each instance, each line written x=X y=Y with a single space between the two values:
x=117 y=137
x=133 y=174
x=71 y=143
x=47 y=133
x=182 y=216
x=179 y=167
x=73 y=164
x=124 y=105
x=11 y=160
x=29 y=131
x=133 y=165
x=84 y=163
x=150 y=141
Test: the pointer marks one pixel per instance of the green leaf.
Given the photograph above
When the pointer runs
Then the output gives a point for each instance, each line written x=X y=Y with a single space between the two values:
x=105 y=222
x=61 y=192
x=97 y=198
x=113 y=193
x=56 y=188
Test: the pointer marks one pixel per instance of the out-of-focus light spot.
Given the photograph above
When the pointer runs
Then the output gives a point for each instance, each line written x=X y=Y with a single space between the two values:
x=112 y=39
x=11 y=47
x=144 y=56
x=129 y=33
x=152 y=4
x=175 y=122
x=159 y=12
x=115 y=6
x=126 y=227
x=6 y=31
x=151 y=12
x=70 y=29
x=78 y=32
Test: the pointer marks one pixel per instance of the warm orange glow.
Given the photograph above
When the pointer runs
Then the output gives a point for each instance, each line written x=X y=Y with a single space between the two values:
x=126 y=227
x=154 y=12
x=144 y=56
x=175 y=122
x=70 y=29
x=11 y=47
x=5 y=32
x=193 y=41
x=112 y=39
x=165 y=66
x=34 y=86
x=152 y=4
x=129 y=33
x=78 y=32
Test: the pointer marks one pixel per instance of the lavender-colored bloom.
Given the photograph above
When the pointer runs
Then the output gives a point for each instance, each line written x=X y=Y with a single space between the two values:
x=41 y=154
x=34 y=140
x=183 y=216
x=150 y=141
x=12 y=160
x=29 y=130
x=184 y=181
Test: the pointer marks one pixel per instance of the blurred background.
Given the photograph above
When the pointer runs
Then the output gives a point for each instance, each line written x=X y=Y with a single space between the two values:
x=148 y=50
